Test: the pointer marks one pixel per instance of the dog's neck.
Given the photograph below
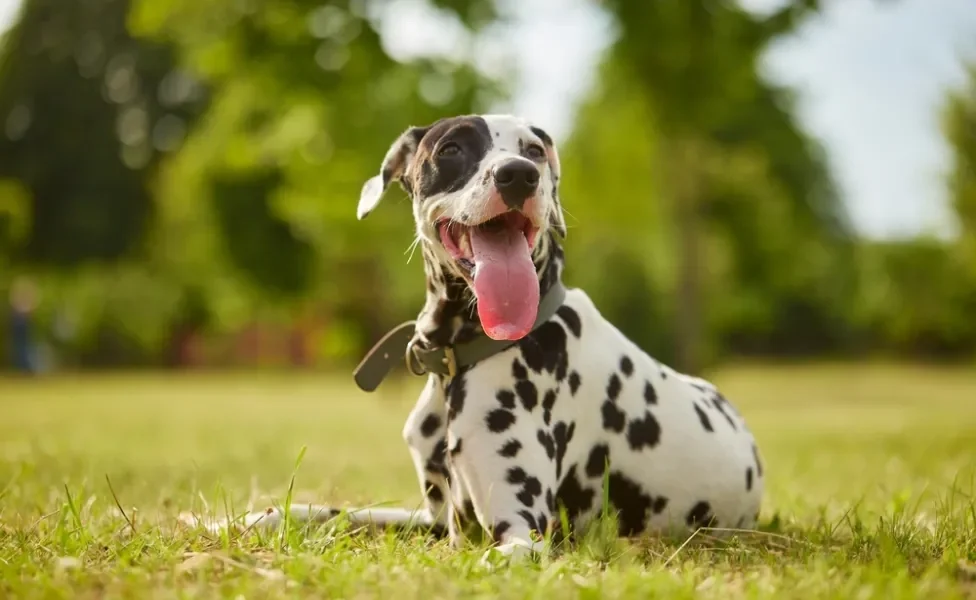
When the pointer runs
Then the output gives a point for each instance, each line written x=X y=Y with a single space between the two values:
x=450 y=313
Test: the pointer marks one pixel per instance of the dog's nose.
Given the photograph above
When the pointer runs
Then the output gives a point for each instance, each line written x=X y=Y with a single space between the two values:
x=516 y=180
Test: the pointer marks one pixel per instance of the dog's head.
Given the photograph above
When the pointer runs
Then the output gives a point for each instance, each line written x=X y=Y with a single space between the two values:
x=485 y=202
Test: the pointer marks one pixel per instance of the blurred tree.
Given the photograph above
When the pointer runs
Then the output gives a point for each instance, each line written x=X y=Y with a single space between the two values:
x=705 y=165
x=697 y=64
x=252 y=214
x=917 y=299
x=87 y=111
x=959 y=125
x=306 y=102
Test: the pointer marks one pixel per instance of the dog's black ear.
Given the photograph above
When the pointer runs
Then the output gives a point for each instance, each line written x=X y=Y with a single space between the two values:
x=556 y=219
x=393 y=168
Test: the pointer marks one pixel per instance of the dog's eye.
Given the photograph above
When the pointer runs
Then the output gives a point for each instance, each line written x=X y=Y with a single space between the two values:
x=449 y=149
x=535 y=152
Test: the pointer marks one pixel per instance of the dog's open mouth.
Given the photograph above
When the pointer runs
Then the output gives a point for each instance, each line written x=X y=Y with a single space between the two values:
x=498 y=254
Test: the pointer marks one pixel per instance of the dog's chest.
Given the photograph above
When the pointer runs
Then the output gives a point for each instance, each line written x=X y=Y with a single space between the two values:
x=564 y=388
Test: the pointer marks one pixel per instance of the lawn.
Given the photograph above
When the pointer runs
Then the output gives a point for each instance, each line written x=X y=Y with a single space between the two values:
x=871 y=472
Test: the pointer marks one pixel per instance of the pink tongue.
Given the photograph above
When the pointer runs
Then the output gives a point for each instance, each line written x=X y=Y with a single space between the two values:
x=505 y=283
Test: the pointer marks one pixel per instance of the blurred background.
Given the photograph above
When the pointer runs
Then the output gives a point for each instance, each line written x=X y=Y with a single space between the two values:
x=743 y=180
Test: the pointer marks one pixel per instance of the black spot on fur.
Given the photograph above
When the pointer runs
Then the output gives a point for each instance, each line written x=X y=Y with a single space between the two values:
x=499 y=420
x=547 y=403
x=529 y=519
x=562 y=434
x=700 y=515
x=435 y=462
x=571 y=319
x=720 y=407
x=455 y=397
x=748 y=479
x=645 y=432
x=499 y=530
x=541 y=134
x=445 y=174
x=659 y=504
x=433 y=492
x=613 y=387
x=550 y=500
x=561 y=368
x=543 y=523
x=518 y=370
x=457 y=448
x=574 y=382
x=430 y=425
x=532 y=353
x=468 y=512
x=516 y=475
x=597 y=463
x=613 y=417
x=547 y=442
x=506 y=398
x=626 y=366
x=573 y=497
x=631 y=503
x=545 y=348
x=527 y=393
x=759 y=465
x=728 y=405
x=440 y=449
x=650 y=394
x=531 y=489
x=706 y=423
x=510 y=449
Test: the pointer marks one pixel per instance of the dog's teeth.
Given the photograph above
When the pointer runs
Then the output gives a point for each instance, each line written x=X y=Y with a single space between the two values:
x=465 y=244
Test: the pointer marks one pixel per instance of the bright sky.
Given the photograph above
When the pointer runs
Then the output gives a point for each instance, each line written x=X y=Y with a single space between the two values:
x=872 y=76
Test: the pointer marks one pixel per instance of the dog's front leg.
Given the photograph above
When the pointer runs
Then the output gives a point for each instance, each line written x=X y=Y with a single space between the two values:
x=512 y=498
x=425 y=433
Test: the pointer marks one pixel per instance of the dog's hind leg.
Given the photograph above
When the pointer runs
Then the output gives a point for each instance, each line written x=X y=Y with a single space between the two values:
x=301 y=514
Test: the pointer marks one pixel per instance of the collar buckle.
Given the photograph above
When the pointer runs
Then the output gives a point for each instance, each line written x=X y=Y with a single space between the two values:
x=450 y=360
x=414 y=364
x=417 y=366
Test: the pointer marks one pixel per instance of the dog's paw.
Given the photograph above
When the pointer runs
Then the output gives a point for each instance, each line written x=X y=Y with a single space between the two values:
x=211 y=525
x=510 y=553
x=215 y=526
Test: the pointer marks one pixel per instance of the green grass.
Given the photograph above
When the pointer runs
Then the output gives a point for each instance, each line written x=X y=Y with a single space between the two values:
x=870 y=482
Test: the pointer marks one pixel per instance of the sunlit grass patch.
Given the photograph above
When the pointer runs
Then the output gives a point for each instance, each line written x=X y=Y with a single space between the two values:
x=870 y=494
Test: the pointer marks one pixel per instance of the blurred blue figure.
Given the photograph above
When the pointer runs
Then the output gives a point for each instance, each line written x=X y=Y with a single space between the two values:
x=23 y=301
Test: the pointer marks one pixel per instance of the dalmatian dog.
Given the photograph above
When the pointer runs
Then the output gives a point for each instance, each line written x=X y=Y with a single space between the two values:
x=561 y=413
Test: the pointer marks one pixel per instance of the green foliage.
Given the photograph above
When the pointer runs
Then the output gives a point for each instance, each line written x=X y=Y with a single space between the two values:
x=959 y=125
x=14 y=216
x=776 y=266
x=175 y=166
x=305 y=104
x=918 y=298
x=84 y=122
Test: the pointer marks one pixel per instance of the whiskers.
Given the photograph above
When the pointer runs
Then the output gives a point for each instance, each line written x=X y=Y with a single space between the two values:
x=412 y=248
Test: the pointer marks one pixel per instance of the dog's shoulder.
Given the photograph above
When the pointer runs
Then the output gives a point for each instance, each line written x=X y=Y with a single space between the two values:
x=580 y=315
